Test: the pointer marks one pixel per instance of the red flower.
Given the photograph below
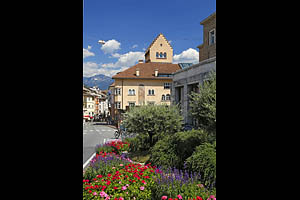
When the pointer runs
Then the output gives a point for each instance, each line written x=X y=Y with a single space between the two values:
x=115 y=188
x=199 y=198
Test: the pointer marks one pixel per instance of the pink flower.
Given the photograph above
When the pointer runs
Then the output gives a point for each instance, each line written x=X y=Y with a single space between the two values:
x=102 y=194
x=179 y=196
x=121 y=198
x=121 y=165
x=164 y=197
x=142 y=188
x=127 y=185
x=95 y=193
x=124 y=188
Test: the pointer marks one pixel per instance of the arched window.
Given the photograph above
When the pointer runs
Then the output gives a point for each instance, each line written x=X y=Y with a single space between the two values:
x=168 y=97
x=161 y=54
x=133 y=92
x=157 y=54
x=163 y=98
x=152 y=92
x=165 y=55
x=129 y=92
x=149 y=92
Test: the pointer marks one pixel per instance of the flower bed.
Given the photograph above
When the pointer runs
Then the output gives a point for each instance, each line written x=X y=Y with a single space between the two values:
x=113 y=176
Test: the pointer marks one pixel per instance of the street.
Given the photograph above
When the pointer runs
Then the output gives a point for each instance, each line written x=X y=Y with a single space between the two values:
x=95 y=133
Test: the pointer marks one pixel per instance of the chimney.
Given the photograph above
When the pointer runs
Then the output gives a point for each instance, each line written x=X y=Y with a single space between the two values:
x=141 y=61
x=156 y=72
x=137 y=71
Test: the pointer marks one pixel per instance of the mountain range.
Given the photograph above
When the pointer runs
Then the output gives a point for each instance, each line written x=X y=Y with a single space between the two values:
x=101 y=81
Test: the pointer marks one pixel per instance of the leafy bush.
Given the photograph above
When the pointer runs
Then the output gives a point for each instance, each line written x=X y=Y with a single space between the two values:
x=164 y=154
x=203 y=160
x=172 y=151
x=203 y=105
x=187 y=141
x=138 y=143
x=152 y=120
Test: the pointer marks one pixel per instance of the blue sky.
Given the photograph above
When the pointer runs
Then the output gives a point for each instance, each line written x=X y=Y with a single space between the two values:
x=129 y=26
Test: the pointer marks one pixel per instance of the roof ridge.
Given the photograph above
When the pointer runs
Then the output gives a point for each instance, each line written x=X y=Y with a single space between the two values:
x=155 y=41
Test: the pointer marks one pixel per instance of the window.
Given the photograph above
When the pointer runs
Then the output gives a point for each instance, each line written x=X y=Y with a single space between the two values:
x=131 y=92
x=165 y=55
x=150 y=92
x=118 y=105
x=157 y=54
x=131 y=104
x=161 y=55
x=168 y=97
x=163 y=98
x=212 y=37
x=118 y=91
x=167 y=85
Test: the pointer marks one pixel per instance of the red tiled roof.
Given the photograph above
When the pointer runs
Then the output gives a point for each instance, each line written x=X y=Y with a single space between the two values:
x=147 y=70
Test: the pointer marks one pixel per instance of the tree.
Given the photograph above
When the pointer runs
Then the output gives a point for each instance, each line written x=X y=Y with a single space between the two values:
x=203 y=105
x=153 y=120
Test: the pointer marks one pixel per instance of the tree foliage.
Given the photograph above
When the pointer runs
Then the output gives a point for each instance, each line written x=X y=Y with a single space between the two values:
x=153 y=120
x=203 y=104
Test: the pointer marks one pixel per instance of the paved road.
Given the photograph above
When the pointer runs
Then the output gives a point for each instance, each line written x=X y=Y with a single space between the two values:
x=95 y=133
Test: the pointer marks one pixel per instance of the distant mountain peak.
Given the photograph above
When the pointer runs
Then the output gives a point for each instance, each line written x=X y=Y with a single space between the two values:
x=101 y=81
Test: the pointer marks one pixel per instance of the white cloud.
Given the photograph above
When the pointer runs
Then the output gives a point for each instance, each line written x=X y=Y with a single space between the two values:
x=87 y=53
x=188 y=56
x=109 y=69
x=110 y=46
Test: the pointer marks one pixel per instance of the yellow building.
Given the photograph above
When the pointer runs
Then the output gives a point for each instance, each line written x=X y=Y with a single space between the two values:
x=147 y=82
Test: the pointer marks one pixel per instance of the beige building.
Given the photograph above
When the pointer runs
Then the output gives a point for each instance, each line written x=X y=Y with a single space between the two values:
x=159 y=50
x=147 y=82
x=208 y=48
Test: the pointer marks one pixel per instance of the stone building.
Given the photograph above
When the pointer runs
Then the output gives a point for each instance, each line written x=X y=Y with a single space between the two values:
x=190 y=78
x=208 y=48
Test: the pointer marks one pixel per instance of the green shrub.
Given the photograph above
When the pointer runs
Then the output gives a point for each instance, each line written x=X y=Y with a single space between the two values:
x=152 y=120
x=187 y=141
x=164 y=154
x=203 y=105
x=203 y=160
x=138 y=143
x=172 y=151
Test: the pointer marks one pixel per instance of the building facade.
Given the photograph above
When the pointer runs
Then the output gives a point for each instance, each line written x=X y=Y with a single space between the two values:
x=159 y=50
x=208 y=48
x=148 y=82
x=189 y=79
